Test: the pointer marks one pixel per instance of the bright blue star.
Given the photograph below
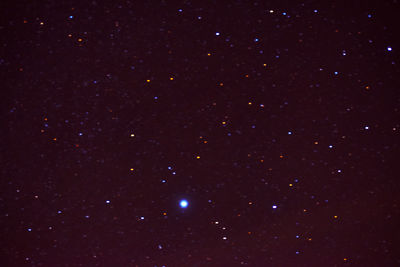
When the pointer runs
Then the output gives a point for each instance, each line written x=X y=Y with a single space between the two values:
x=183 y=203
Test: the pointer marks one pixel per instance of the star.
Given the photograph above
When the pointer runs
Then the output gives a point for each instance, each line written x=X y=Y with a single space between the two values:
x=183 y=203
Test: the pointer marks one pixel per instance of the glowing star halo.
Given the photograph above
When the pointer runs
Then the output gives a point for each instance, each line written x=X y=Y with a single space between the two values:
x=184 y=203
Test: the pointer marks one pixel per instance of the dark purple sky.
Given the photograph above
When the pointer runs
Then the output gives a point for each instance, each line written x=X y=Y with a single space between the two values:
x=278 y=123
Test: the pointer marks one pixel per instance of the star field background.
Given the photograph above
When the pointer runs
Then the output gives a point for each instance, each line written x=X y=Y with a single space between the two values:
x=277 y=122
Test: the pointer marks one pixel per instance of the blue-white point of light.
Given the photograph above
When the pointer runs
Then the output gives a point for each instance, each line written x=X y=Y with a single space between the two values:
x=184 y=203
x=274 y=206
x=389 y=48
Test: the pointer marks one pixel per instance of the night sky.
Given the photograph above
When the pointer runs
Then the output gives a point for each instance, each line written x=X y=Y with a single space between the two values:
x=166 y=133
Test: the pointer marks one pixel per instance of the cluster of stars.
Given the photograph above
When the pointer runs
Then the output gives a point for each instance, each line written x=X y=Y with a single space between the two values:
x=253 y=134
